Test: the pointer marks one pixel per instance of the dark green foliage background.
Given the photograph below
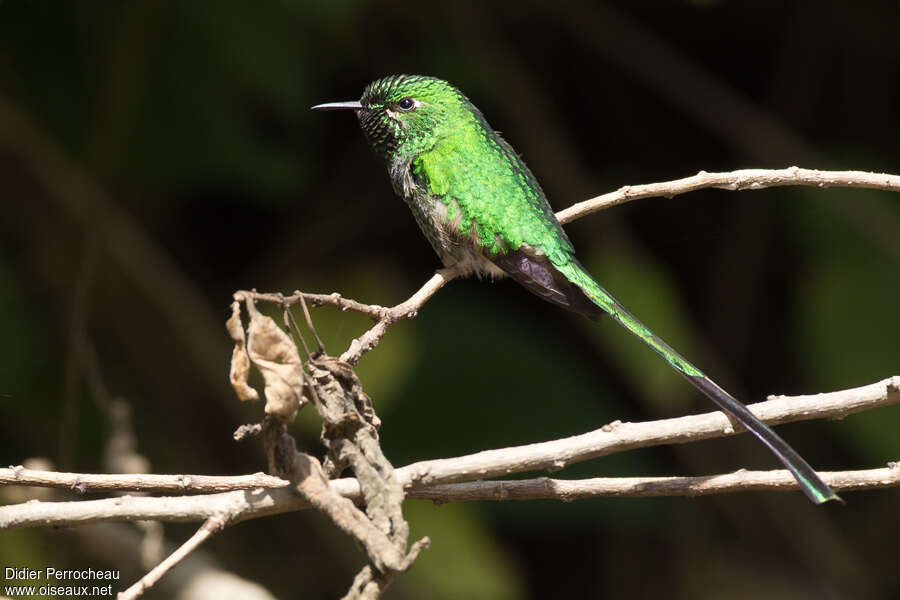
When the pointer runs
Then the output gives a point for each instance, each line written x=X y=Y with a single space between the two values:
x=193 y=118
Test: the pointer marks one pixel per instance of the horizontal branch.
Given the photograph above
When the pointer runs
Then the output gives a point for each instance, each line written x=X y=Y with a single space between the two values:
x=85 y=483
x=261 y=503
x=245 y=504
x=434 y=479
x=552 y=455
x=618 y=437
x=744 y=179
x=545 y=488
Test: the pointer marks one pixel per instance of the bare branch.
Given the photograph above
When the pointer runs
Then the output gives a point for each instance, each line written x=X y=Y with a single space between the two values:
x=744 y=179
x=262 y=503
x=212 y=525
x=384 y=317
x=406 y=310
x=351 y=434
x=85 y=483
x=618 y=437
x=246 y=504
x=544 y=488
x=428 y=479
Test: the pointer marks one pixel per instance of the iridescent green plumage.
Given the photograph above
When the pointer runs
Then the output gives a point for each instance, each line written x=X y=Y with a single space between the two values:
x=484 y=212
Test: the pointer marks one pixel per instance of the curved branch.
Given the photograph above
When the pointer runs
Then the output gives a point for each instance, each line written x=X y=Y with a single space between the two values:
x=383 y=317
x=744 y=179
x=430 y=479
x=618 y=437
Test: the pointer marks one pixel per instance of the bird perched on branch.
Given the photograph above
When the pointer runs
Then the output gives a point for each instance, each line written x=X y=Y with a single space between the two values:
x=484 y=213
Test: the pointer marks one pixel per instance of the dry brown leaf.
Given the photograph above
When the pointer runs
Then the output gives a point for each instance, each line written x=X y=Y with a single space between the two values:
x=240 y=361
x=275 y=355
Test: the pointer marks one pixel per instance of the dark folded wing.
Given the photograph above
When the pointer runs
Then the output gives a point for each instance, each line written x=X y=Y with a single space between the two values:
x=540 y=277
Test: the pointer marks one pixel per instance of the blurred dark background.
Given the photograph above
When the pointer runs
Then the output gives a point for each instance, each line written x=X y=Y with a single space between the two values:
x=156 y=156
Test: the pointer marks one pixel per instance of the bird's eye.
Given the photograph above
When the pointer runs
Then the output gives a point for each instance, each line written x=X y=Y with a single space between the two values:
x=406 y=104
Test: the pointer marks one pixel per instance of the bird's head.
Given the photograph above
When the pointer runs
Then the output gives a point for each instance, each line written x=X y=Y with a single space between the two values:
x=405 y=115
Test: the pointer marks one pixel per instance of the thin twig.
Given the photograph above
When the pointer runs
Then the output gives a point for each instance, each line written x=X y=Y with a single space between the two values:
x=312 y=328
x=383 y=317
x=744 y=179
x=374 y=311
x=212 y=525
x=738 y=122
x=291 y=324
x=85 y=483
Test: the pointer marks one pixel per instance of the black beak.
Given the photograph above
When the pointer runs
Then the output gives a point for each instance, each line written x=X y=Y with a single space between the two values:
x=353 y=105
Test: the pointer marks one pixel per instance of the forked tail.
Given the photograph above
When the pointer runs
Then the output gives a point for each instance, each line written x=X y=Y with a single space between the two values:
x=811 y=484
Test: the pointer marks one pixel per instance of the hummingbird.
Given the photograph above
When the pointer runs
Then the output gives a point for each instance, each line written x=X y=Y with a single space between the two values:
x=485 y=214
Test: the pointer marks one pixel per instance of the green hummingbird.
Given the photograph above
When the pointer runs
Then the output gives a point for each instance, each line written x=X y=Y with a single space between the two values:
x=484 y=213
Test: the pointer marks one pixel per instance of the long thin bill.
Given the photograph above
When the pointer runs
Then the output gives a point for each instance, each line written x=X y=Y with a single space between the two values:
x=353 y=105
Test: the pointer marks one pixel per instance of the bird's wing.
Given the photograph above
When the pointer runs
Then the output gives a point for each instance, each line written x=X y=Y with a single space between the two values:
x=541 y=277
